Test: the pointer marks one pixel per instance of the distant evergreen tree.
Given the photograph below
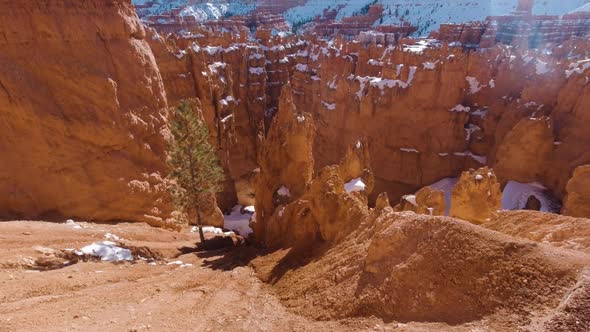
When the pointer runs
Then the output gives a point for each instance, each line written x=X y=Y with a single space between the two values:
x=192 y=161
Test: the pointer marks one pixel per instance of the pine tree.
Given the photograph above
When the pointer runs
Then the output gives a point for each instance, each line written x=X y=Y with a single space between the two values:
x=192 y=161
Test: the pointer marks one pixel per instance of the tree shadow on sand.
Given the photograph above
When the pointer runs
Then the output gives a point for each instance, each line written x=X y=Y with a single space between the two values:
x=270 y=264
x=223 y=258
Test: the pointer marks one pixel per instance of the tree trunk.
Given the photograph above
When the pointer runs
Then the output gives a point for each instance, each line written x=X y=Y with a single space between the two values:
x=200 y=226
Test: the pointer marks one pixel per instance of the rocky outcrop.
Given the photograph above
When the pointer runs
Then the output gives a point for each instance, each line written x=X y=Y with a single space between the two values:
x=301 y=209
x=210 y=213
x=529 y=143
x=476 y=196
x=577 y=200
x=83 y=113
x=521 y=29
x=427 y=200
x=286 y=164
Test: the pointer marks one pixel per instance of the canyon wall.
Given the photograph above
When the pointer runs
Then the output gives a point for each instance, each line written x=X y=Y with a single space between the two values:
x=429 y=111
x=85 y=89
x=83 y=112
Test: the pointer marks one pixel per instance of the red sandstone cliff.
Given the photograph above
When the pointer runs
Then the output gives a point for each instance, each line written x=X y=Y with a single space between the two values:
x=83 y=108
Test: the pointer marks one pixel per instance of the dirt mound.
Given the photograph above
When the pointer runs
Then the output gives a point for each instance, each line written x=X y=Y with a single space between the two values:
x=557 y=230
x=409 y=267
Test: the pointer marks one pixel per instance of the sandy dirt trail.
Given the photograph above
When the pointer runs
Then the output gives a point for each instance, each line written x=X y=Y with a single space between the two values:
x=178 y=290
x=209 y=295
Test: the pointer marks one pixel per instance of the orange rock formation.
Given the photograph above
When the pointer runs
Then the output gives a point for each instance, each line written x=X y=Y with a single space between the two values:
x=476 y=196
x=83 y=108
x=577 y=200
x=428 y=111
x=426 y=201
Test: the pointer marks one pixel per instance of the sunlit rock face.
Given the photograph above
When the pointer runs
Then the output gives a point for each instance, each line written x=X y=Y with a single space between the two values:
x=577 y=200
x=427 y=109
x=476 y=196
x=83 y=112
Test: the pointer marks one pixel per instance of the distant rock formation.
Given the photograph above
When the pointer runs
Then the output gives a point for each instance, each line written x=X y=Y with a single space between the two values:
x=286 y=165
x=521 y=29
x=476 y=196
x=427 y=201
x=292 y=206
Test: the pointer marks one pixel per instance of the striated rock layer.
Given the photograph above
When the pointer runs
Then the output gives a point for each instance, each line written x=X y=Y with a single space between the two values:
x=83 y=109
x=429 y=111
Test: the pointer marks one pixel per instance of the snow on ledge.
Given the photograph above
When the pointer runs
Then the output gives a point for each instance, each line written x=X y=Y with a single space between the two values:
x=481 y=159
x=460 y=108
x=329 y=106
x=211 y=229
x=577 y=67
x=74 y=224
x=474 y=86
x=355 y=185
x=409 y=150
x=284 y=191
x=410 y=199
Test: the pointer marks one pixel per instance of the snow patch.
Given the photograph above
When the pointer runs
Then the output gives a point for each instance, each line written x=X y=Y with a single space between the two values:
x=284 y=191
x=329 y=106
x=111 y=237
x=577 y=67
x=542 y=67
x=355 y=185
x=107 y=251
x=301 y=67
x=430 y=65
x=74 y=224
x=446 y=185
x=516 y=194
x=474 y=86
x=460 y=108
x=410 y=199
x=256 y=70
x=238 y=222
